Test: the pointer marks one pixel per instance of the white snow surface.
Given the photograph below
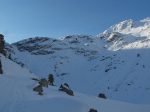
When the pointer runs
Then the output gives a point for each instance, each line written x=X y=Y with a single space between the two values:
x=17 y=96
x=115 y=62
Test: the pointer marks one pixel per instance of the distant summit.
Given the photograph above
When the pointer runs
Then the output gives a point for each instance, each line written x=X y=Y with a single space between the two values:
x=128 y=34
x=136 y=28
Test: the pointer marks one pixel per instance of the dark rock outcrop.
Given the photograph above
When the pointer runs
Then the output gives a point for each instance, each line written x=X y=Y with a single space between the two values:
x=92 y=110
x=2 y=44
x=1 y=70
x=51 y=79
x=43 y=82
x=38 y=89
x=102 y=95
x=65 y=88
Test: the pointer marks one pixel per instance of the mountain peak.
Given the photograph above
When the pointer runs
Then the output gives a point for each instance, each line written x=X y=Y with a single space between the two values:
x=135 y=28
x=128 y=34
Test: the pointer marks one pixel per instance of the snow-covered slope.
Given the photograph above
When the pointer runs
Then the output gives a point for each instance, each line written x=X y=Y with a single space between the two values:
x=116 y=62
x=136 y=28
x=129 y=34
x=17 y=96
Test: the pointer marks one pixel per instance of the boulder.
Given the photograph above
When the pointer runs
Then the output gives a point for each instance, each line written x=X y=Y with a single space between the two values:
x=92 y=110
x=102 y=95
x=43 y=82
x=38 y=89
x=51 y=79
x=65 y=88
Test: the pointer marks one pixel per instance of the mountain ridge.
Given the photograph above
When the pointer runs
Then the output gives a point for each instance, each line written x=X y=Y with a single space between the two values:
x=112 y=62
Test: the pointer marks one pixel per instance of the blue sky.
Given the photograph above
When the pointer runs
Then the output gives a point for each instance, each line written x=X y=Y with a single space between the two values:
x=21 y=19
